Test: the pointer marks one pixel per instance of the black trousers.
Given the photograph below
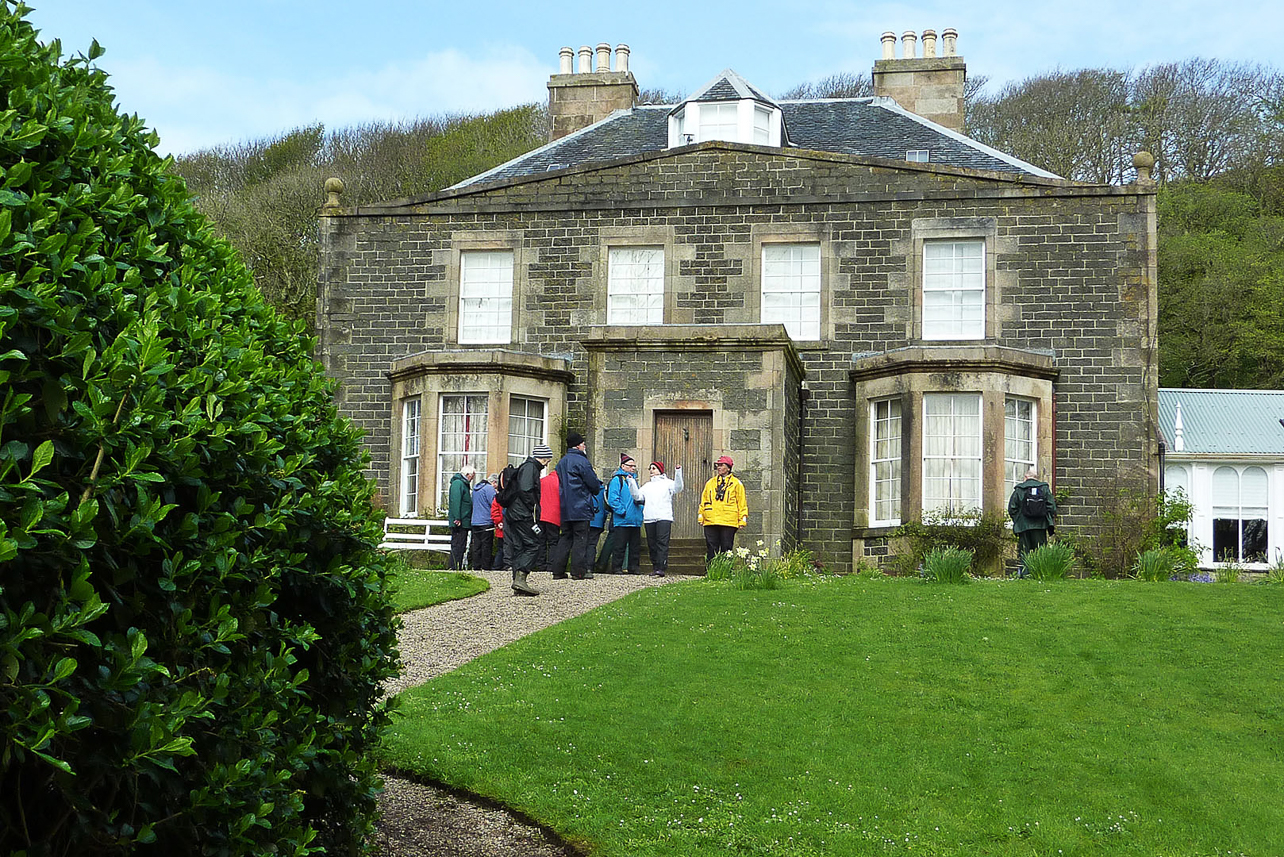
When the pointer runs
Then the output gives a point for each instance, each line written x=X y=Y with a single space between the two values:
x=626 y=538
x=480 y=556
x=657 y=543
x=523 y=544
x=549 y=535
x=1028 y=540
x=573 y=545
x=718 y=539
x=501 y=555
x=458 y=546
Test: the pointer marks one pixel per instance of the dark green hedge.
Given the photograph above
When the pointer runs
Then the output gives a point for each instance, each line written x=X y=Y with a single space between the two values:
x=194 y=624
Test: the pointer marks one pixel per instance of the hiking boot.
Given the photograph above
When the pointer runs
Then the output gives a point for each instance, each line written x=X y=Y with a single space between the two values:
x=521 y=586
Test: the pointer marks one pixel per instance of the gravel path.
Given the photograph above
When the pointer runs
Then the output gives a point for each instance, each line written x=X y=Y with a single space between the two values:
x=420 y=820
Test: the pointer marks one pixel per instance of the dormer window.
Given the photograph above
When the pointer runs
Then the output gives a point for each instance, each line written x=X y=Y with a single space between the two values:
x=728 y=109
x=918 y=156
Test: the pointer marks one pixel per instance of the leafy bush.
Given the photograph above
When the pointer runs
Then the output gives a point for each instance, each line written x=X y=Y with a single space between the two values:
x=746 y=569
x=1053 y=561
x=986 y=536
x=947 y=565
x=1137 y=523
x=1154 y=565
x=194 y=627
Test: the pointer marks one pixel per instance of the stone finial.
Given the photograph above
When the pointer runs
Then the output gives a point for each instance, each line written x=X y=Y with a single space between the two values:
x=909 y=44
x=1144 y=162
x=566 y=61
x=333 y=188
x=889 y=45
x=622 y=58
x=929 y=43
x=586 y=59
x=950 y=37
x=603 y=57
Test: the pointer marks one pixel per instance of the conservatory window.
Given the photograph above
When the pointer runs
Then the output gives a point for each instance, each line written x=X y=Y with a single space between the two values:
x=1018 y=439
x=410 y=458
x=1240 y=501
x=526 y=422
x=885 y=462
x=462 y=438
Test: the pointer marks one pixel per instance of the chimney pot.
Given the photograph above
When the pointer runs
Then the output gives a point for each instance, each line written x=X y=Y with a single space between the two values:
x=929 y=43
x=909 y=44
x=950 y=37
x=586 y=59
x=622 y=58
x=567 y=61
x=889 y=46
x=603 y=57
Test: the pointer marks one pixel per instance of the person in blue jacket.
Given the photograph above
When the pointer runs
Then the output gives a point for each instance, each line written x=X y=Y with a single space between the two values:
x=578 y=486
x=597 y=526
x=624 y=498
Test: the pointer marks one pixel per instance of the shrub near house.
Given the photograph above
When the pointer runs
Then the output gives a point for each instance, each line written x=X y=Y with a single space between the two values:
x=193 y=622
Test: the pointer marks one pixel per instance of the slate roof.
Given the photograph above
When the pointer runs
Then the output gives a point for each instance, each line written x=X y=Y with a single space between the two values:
x=872 y=127
x=1223 y=422
x=728 y=86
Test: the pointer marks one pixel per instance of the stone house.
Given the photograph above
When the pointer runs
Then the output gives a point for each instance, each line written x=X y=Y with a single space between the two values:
x=874 y=315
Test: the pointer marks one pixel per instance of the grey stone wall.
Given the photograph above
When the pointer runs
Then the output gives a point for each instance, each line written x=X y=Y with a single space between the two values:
x=1074 y=268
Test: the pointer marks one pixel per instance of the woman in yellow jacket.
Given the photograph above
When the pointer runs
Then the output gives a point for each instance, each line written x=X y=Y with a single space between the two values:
x=723 y=509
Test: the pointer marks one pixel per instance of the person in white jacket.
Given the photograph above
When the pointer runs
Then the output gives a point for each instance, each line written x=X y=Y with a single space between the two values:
x=657 y=514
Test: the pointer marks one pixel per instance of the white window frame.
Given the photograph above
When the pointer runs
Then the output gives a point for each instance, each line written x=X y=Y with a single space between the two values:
x=714 y=122
x=635 y=285
x=474 y=412
x=525 y=429
x=761 y=125
x=965 y=491
x=411 y=412
x=1020 y=438
x=791 y=288
x=954 y=289
x=885 y=444
x=918 y=156
x=485 y=297
x=1240 y=510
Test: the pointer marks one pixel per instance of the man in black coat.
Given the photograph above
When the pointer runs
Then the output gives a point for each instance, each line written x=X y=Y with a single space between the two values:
x=521 y=519
x=579 y=488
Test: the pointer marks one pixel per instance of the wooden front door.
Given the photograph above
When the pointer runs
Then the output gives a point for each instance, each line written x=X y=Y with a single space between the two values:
x=686 y=438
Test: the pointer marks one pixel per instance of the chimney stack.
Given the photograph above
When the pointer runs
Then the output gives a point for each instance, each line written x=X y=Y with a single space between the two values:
x=929 y=86
x=590 y=94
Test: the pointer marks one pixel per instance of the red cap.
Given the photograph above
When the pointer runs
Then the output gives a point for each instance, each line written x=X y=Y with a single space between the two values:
x=726 y=459
x=658 y=465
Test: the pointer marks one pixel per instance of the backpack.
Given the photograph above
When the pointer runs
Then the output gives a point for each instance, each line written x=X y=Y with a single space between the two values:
x=507 y=486
x=1034 y=504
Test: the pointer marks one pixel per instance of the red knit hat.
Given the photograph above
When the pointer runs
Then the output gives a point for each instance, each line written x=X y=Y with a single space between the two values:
x=658 y=465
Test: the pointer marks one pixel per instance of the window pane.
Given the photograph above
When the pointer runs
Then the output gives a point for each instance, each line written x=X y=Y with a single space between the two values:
x=461 y=439
x=410 y=410
x=486 y=296
x=1225 y=493
x=954 y=289
x=791 y=288
x=1018 y=439
x=525 y=427
x=951 y=451
x=635 y=285
x=1254 y=540
x=1225 y=540
x=886 y=461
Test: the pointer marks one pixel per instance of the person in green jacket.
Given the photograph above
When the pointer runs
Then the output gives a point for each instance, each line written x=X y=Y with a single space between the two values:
x=1032 y=509
x=460 y=513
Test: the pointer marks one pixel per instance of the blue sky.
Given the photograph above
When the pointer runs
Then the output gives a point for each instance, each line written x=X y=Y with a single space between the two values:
x=208 y=73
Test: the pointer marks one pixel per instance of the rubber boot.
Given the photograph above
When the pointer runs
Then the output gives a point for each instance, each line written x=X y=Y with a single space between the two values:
x=520 y=584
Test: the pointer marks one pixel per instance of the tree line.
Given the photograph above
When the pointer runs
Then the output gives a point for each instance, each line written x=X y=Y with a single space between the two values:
x=1215 y=128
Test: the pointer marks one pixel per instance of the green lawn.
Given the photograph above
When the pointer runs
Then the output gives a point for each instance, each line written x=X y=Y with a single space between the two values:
x=866 y=717
x=415 y=588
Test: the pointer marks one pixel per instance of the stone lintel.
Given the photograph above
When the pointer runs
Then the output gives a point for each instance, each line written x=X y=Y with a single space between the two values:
x=694 y=337
x=919 y=359
x=496 y=361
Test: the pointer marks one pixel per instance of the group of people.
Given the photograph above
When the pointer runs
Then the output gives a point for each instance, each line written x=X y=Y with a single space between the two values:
x=554 y=521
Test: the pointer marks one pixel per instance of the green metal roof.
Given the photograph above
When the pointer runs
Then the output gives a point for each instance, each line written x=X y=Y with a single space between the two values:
x=1223 y=422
